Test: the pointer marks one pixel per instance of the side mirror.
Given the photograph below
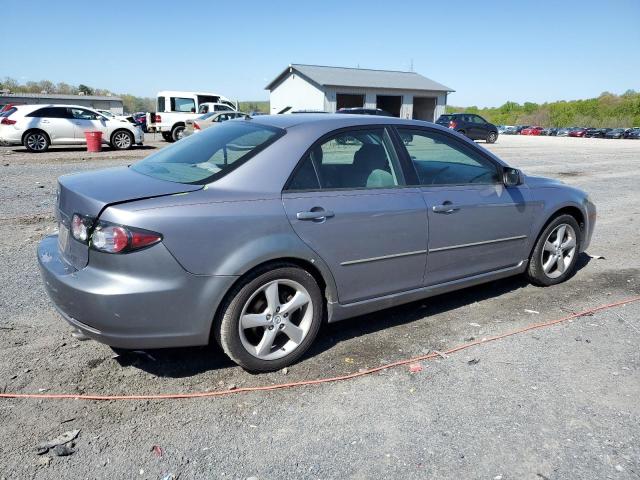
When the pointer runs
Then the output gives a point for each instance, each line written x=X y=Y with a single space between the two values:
x=511 y=177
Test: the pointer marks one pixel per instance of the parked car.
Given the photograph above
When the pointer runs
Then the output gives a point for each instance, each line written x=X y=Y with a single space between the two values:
x=209 y=120
x=256 y=231
x=519 y=128
x=633 y=133
x=140 y=119
x=577 y=132
x=39 y=126
x=365 y=111
x=531 y=131
x=596 y=132
x=209 y=107
x=471 y=125
x=174 y=108
x=112 y=116
x=616 y=133
x=563 y=132
x=508 y=130
x=549 y=131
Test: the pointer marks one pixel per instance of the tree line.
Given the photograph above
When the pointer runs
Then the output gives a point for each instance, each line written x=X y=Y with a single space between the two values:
x=607 y=110
x=131 y=103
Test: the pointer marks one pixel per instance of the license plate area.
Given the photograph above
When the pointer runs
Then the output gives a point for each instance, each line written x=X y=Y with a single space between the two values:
x=63 y=238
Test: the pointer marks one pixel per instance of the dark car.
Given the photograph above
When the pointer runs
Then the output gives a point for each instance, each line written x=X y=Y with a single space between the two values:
x=471 y=125
x=633 y=133
x=365 y=111
x=140 y=119
x=596 y=132
x=616 y=133
x=549 y=132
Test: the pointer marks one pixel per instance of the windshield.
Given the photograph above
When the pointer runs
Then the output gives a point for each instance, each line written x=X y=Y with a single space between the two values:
x=210 y=155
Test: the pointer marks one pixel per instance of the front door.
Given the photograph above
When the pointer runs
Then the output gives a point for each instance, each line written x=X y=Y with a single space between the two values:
x=347 y=201
x=88 y=121
x=476 y=224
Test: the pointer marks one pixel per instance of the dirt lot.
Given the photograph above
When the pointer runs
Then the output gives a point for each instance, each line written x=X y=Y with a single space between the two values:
x=556 y=403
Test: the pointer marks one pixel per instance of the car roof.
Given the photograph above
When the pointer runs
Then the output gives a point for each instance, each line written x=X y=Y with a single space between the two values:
x=335 y=120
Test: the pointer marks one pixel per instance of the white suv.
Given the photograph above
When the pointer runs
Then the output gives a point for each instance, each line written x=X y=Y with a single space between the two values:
x=38 y=126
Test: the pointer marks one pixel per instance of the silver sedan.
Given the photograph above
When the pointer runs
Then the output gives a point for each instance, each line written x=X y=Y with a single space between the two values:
x=252 y=233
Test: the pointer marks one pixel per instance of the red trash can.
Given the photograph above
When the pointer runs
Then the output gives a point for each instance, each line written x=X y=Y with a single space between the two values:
x=94 y=141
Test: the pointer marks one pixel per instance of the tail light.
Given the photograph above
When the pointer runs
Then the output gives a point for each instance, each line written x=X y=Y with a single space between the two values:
x=157 y=118
x=453 y=124
x=196 y=126
x=7 y=121
x=111 y=238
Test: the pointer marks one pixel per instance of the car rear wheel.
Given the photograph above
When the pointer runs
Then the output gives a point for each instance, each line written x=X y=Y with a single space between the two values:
x=167 y=136
x=36 y=141
x=492 y=137
x=177 y=133
x=554 y=257
x=270 y=319
x=122 y=140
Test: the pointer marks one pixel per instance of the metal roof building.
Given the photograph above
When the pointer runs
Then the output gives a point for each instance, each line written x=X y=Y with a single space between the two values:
x=114 y=104
x=322 y=88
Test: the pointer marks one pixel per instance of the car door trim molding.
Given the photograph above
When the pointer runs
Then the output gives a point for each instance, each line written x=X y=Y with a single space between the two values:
x=383 y=257
x=474 y=244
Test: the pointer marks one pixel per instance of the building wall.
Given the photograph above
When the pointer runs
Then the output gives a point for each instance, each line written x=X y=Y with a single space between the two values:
x=115 y=106
x=296 y=92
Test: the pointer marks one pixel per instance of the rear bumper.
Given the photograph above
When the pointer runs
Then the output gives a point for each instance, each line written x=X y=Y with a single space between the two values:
x=139 y=300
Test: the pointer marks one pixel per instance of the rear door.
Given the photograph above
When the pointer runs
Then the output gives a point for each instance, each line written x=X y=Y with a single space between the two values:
x=56 y=121
x=347 y=200
x=476 y=224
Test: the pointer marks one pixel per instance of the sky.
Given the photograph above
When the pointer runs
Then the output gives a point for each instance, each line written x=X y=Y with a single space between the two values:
x=489 y=51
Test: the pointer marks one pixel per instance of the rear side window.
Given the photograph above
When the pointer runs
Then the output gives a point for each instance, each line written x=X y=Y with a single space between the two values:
x=51 y=112
x=179 y=104
x=210 y=155
x=445 y=118
x=441 y=160
x=349 y=160
x=161 y=104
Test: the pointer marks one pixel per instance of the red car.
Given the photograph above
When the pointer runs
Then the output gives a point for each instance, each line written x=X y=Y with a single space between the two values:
x=577 y=132
x=532 y=131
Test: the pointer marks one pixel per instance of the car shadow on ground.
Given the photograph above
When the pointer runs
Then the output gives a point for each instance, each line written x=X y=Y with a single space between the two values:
x=84 y=149
x=187 y=362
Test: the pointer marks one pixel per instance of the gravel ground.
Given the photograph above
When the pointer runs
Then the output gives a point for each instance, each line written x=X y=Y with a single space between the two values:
x=549 y=404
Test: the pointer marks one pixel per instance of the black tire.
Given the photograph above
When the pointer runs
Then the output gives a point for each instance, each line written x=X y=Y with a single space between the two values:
x=119 y=141
x=226 y=329
x=36 y=141
x=167 y=136
x=176 y=132
x=535 y=271
x=492 y=137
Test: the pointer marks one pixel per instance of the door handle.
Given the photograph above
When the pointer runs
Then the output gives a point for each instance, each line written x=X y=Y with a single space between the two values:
x=315 y=213
x=446 y=207
x=44 y=121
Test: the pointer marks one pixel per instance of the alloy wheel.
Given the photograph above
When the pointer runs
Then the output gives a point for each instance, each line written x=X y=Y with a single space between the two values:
x=122 y=140
x=276 y=319
x=36 y=142
x=559 y=250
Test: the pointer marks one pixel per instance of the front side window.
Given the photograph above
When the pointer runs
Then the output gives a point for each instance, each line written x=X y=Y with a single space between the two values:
x=440 y=160
x=82 y=114
x=179 y=104
x=210 y=155
x=352 y=159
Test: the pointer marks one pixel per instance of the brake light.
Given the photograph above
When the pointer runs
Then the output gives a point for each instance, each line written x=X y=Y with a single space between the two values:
x=196 y=126
x=110 y=238
x=453 y=124
x=7 y=121
x=157 y=118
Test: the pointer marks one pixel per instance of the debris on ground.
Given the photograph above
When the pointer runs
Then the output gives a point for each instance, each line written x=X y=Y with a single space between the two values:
x=473 y=361
x=63 y=450
x=474 y=324
x=348 y=360
x=157 y=450
x=285 y=370
x=440 y=354
x=415 y=367
x=531 y=311
x=597 y=257
x=63 y=439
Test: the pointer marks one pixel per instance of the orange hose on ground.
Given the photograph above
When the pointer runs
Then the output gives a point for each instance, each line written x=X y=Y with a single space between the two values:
x=218 y=393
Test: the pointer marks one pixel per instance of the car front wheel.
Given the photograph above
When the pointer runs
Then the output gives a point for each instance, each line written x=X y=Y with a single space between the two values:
x=554 y=257
x=122 y=140
x=270 y=319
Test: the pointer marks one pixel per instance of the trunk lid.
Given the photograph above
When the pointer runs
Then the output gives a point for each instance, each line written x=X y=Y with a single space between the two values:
x=89 y=193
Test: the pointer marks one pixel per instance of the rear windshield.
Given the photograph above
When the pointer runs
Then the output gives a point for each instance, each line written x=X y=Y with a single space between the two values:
x=444 y=119
x=210 y=155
